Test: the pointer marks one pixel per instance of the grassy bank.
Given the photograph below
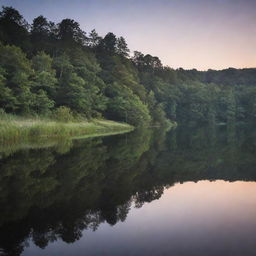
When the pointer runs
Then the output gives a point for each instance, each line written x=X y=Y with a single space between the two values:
x=15 y=129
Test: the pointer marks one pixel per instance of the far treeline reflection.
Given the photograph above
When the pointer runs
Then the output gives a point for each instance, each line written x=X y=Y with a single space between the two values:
x=55 y=193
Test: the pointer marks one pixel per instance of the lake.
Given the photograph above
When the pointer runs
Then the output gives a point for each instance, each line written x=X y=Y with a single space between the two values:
x=187 y=191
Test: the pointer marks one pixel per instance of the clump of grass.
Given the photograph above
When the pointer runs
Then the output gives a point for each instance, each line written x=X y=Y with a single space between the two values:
x=16 y=129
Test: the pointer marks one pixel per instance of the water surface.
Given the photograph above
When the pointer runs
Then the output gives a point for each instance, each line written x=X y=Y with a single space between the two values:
x=149 y=192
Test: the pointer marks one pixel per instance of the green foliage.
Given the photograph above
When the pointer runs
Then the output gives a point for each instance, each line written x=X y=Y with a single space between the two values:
x=43 y=104
x=125 y=106
x=70 y=33
x=94 y=39
x=26 y=100
x=7 y=99
x=53 y=65
x=63 y=114
x=14 y=28
x=122 y=48
x=14 y=60
x=108 y=43
x=42 y=63
x=42 y=33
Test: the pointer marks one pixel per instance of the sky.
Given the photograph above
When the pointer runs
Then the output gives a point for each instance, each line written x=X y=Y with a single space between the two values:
x=201 y=34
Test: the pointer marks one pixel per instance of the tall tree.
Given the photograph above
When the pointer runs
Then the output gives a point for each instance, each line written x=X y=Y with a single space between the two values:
x=108 y=43
x=14 y=28
x=122 y=48
x=94 y=39
x=40 y=33
x=69 y=32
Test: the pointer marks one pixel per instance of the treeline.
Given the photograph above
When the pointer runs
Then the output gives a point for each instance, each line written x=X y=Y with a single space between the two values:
x=45 y=67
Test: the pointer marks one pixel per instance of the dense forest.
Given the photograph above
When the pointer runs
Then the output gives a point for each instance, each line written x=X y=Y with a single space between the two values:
x=47 y=67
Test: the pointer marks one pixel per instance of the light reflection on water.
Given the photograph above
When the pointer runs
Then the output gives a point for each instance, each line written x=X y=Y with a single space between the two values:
x=203 y=218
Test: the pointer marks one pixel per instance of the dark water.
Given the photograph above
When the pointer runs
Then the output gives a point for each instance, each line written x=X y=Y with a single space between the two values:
x=150 y=192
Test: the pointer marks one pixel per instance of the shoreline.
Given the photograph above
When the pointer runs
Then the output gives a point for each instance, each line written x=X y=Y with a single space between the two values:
x=17 y=131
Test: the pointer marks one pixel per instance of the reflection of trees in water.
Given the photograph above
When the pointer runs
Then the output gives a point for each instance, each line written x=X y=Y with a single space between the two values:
x=142 y=197
x=58 y=193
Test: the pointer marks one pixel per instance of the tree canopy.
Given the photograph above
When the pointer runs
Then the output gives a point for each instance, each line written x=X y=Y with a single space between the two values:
x=44 y=66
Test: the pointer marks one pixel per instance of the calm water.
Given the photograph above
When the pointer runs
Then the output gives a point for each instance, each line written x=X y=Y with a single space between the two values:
x=149 y=192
